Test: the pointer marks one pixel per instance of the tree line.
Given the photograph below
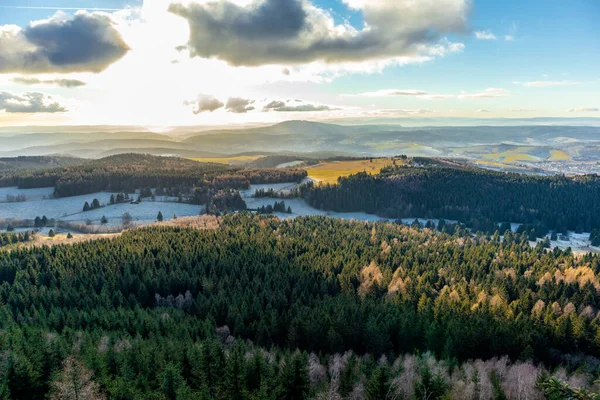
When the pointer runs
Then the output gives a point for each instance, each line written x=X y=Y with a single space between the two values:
x=14 y=238
x=128 y=172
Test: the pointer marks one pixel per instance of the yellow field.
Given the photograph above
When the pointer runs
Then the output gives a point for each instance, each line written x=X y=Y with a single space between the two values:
x=490 y=163
x=228 y=160
x=557 y=155
x=511 y=156
x=330 y=171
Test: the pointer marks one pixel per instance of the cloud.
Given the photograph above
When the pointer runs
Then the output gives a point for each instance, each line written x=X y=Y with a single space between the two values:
x=86 y=42
x=392 y=92
x=285 y=106
x=481 y=110
x=486 y=94
x=298 y=32
x=205 y=103
x=274 y=105
x=546 y=83
x=304 y=108
x=485 y=35
x=29 y=103
x=389 y=112
x=509 y=38
x=64 y=83
x=238 y=105
x=585 y=109
x=407 y=92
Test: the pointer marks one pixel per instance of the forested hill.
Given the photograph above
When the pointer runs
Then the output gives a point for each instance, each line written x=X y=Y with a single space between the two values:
x=20 y=164
x=126 y=172
x=139 y=314
x=468 y=194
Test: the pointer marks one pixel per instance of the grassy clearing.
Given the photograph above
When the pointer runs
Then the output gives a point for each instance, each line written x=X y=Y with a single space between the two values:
x=237 y=160
x=330 y=171
x=557 y=155
x=518 y=154
x=490 y=163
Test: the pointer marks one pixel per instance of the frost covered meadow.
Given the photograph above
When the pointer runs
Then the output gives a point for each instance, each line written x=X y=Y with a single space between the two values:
x=40 y=202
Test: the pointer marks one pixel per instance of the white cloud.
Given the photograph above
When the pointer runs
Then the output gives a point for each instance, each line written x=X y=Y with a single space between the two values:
x=485 y=94
x=29 y=103
x=585 y=109
x=421 y=94
x=402 y=111
x=546 y=83
x=482 y=110
x=391 y=92
x=485 y=35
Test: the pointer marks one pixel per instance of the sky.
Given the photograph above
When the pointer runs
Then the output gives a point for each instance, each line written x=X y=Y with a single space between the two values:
x=218 y=62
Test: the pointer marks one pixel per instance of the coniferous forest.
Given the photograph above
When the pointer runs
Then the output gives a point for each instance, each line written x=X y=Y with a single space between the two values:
x=472 y=195
x=127 y=172
x=258 y=308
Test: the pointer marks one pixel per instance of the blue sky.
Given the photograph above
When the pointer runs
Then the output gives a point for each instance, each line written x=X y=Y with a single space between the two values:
x=509 y=58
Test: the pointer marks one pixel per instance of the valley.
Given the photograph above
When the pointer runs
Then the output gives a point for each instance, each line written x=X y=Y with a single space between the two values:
x=550 y=147
x=67 y=216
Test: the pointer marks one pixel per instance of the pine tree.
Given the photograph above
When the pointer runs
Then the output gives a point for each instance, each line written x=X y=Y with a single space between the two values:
x=293 y=380
x=159 y=217
x=170 y=381
x=348 y=377
x=378 y=386
x=234 y=375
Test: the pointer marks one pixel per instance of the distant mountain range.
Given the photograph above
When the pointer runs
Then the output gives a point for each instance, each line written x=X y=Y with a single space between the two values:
x=513 y=143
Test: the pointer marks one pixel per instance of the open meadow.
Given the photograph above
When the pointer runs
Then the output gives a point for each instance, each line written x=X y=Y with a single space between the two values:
x=233 y=160
x=330 y=171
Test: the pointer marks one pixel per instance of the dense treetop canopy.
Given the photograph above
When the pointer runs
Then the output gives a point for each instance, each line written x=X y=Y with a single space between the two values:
x=317 y=284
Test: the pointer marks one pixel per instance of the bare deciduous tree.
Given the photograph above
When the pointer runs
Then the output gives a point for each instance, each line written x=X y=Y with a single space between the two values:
x=75 y=382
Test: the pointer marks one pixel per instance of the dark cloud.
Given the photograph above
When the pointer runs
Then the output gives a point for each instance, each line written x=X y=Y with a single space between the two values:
x=205 y=103
x=29 y=103
x=294 y=31
x=238 y=105
x=282 y=106
x=65 y=83
x=274 y=105
x=87 y=42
